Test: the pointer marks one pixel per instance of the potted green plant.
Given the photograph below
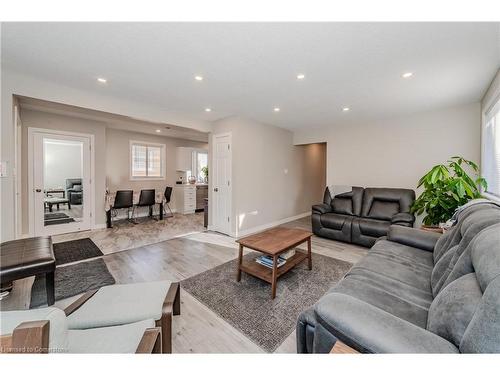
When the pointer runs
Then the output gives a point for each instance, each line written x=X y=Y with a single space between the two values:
x=204 y=172
x=447 y=187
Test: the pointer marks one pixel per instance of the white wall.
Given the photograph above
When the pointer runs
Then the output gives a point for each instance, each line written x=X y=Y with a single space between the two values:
x=262 y=192
x=117 y=160
x=397 y=152
x=62 y=161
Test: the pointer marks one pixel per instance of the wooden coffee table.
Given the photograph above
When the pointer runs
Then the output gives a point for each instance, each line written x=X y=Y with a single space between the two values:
x=274 y=242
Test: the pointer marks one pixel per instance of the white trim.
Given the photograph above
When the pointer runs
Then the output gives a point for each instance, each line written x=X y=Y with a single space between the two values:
x=31 y=209
x=260 y=228
x=122 y=214
x=17 y=172
x=163 y=166
x=212 y=178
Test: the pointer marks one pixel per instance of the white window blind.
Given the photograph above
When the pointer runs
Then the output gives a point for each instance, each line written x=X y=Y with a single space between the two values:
x=146 y=160
x=490 y=164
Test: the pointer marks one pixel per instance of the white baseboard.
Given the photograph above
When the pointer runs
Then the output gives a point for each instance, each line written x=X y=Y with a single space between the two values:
x=143 y=213
x=260 y=228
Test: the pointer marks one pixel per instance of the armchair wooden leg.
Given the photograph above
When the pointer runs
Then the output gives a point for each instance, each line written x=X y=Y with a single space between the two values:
x=150 y=342
x=28 y=337
x=171 y=307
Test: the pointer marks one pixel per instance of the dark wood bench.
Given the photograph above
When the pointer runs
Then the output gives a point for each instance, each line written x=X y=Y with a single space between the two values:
x=28 y=257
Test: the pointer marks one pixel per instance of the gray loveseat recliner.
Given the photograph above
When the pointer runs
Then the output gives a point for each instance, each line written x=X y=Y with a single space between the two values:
x=416 y=292
x=362 y=215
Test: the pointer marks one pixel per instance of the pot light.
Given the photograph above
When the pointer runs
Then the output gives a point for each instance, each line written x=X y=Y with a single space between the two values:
x=102 y=80
x=276 y=109
x=407 y=75
x=301 y=76
x=208 y=109
x=346 y=109
x=198 y=78
x=158 y=130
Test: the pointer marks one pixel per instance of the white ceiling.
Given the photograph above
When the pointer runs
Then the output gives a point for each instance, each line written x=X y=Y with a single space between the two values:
x=114 y=121
x=250 y=68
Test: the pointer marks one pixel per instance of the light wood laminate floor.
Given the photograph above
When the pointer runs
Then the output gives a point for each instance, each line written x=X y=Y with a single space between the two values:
x=197 y=329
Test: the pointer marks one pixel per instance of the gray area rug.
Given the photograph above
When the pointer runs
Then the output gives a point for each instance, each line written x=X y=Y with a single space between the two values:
x=72 y=280
x=248 y=306
x=73 y=251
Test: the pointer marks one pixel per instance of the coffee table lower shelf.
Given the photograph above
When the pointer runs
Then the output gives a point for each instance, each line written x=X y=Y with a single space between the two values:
x=265 y=273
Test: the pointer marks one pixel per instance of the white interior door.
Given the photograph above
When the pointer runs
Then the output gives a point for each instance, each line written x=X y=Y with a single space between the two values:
x=222 y=184
x=59 y=160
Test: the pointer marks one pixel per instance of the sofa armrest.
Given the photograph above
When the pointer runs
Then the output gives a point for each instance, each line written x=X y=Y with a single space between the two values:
x=321 y=208
x=422 y=239
x=369 y=329
x=403 y=218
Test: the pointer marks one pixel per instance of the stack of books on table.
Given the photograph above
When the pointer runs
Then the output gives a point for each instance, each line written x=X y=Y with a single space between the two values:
x=267 y=260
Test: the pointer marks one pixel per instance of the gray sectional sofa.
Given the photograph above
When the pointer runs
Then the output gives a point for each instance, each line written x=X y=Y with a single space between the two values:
x=416 y=292
x=363 y=214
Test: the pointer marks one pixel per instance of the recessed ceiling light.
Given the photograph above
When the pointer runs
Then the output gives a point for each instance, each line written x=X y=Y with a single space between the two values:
x=407 y=75
x=158 y=130
x=198 y=78
x=208 y=109
x=346 y=109
x=276 y=109
x=102 y=80
x=301 y=76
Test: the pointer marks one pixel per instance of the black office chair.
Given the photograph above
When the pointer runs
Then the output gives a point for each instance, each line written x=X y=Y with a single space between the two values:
x=146 y=199
x=123 y=199
x=168 y=196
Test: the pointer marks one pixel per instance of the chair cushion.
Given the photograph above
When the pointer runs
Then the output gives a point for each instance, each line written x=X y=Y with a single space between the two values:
x=335 y=221
x=58 y=329
x=117 y=339
x=121 y=304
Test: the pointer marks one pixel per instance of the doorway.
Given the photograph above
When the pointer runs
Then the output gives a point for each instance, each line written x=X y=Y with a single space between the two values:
x=60 y=177
x=221 y=217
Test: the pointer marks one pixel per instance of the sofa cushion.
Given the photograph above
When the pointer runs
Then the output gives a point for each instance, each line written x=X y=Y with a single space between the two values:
x=399 y=302
x=482 y=333
x=448 y=268
x=453 y=236
x=403 y=253
x=393 y=277
x=370 y=329
x=342 y=206
x=453 y=308
x=383 y=210
x=335 y=221
x=373 y=227
x=403 y=269
x=383 y=203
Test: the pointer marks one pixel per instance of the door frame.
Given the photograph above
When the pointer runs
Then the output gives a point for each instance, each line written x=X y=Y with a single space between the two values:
x=211 y=180
x=31 y=203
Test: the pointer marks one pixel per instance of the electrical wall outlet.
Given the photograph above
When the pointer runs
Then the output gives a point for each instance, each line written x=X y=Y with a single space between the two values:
x=4 y=169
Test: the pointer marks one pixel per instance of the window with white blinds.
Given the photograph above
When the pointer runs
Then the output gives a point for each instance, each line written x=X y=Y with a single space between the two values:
x=147 y=161
x=490 y=163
